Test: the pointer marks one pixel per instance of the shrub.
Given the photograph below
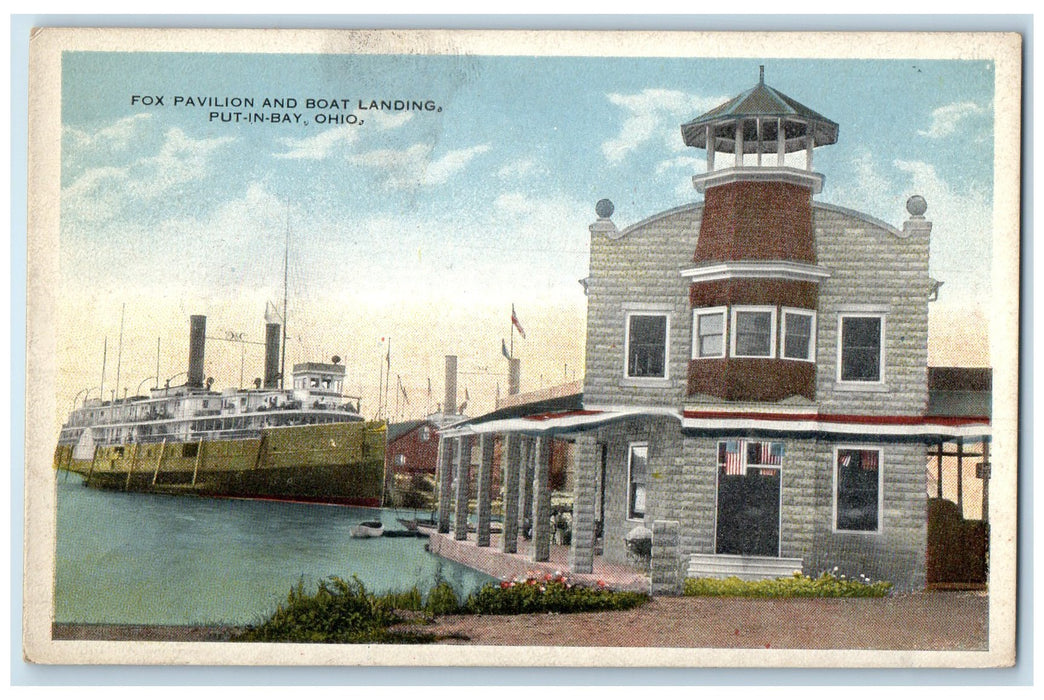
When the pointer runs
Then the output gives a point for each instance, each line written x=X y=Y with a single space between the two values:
x=442 y=600
x=828 y=585
x=338 y=612
x=547 y=593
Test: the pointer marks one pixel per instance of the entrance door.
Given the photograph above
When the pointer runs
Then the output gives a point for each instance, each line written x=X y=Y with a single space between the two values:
x=748 y=497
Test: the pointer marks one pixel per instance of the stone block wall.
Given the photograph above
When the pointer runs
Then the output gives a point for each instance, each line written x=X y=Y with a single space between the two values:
x=896 y=553
x=638 y=270
x=870 y=266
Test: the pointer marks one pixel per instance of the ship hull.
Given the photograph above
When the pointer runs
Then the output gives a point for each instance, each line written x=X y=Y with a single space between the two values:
x=339 y=463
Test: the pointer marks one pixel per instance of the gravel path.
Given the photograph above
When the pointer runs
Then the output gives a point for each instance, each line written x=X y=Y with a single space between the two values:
x=931 y=621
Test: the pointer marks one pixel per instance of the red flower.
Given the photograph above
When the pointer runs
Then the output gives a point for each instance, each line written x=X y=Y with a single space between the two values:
x=547 y=577
x=505 y=584
x=601 y=583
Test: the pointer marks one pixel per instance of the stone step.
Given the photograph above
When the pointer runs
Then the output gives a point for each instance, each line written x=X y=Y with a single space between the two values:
x=746 y=568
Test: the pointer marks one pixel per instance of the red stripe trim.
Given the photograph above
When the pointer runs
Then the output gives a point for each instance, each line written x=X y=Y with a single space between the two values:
x=840 y=418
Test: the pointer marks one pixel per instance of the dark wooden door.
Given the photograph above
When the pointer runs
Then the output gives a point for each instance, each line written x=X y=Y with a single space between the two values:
x=748 y=513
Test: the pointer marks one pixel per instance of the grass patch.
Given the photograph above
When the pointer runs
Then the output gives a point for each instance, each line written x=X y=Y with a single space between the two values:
x=827 y=585
x=344 y=612
x=339 y=612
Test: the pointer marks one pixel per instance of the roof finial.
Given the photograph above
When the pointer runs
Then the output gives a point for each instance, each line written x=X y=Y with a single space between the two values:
x=761 y=80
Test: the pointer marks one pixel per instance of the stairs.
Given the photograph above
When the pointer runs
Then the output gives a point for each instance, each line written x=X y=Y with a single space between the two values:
x=746 y=568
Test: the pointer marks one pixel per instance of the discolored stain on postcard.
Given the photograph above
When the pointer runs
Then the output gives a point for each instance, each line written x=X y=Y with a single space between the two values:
x=624 y=348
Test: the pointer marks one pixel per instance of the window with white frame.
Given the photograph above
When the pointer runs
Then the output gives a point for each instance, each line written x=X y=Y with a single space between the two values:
x=861 y=348
x=857 y=489
x=400 y=460
x=425 y=433
x=647 y=345
x=754 y=331
x=708 y=332
x=799 y=335
x=637 y=467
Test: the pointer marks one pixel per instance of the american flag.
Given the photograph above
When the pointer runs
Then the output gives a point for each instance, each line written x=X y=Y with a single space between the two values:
x=733 y=462
x=868 y=460
x=772 y=453
x=845 y=459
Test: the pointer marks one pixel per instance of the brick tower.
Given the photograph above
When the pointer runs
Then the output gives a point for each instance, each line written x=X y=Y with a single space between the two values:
x=755 y=271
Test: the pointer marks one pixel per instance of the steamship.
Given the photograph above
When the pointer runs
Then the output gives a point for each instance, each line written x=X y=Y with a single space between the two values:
x=303 y=443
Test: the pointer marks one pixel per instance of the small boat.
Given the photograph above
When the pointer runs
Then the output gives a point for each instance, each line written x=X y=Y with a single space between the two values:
x=368 y=528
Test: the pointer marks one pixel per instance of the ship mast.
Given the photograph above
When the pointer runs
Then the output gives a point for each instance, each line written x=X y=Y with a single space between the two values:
x=286 y=268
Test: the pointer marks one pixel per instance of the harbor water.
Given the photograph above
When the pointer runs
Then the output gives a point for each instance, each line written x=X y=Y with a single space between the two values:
x=134 y=558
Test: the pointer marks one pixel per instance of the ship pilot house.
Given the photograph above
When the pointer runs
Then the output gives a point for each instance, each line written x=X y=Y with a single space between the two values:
x=756 y=387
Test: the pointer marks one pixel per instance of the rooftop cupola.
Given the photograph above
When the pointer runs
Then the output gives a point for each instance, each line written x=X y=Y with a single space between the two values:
x=759 y=128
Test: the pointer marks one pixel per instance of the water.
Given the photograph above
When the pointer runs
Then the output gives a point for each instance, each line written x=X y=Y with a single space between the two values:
x=151 y=559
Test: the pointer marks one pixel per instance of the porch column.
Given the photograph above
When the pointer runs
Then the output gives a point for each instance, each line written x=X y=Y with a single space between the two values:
x=525 y=488
x=585 y=488
x=541 y=546
x=485 y=475
x=460 y=505
x=509 y=466
x=445 y=469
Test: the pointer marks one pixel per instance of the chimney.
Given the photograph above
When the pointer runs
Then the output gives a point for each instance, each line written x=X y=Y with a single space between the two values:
x=450 y=404
x=197 y=340
x=271 y=355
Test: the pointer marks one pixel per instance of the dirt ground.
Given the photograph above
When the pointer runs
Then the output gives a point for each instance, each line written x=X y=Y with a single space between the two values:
x=938 y=620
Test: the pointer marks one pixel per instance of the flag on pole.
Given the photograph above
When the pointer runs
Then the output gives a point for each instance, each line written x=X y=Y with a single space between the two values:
x=515 y=322
x=429 y=387
x=845 y=460
x=404 y=396
x=772 y=453
x=733 y=458
x=503 y=349
x=868 y=460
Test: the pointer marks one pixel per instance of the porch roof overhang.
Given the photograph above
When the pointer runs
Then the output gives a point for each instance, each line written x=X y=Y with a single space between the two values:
x=554 y=422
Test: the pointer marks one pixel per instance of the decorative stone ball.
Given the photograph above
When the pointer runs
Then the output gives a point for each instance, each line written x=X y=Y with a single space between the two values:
x=604 y=208
x=916 y=205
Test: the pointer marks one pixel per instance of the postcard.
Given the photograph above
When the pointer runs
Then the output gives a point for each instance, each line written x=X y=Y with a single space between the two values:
x=530 y=348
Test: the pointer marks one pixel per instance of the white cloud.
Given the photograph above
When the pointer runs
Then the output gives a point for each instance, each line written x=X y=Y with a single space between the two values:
x=119 y=136
x=100 y=193
x=321 y=145
x=947 y=118
x=518 y=169
x=651 y=113
x=388 y=120
x=413 y=167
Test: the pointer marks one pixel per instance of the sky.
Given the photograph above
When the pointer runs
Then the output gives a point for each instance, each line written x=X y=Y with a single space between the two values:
x=420 y=228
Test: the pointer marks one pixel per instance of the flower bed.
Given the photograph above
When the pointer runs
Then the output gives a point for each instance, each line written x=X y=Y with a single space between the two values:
x=535 y=593
x=827 y=585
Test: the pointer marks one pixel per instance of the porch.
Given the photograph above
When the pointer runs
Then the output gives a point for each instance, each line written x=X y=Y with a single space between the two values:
x=509 y=565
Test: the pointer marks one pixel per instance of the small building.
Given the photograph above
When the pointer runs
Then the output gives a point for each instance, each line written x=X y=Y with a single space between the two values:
x=410 y=460
x=755 y=397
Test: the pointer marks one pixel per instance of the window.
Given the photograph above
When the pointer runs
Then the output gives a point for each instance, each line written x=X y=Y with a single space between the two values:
x=647 y=345
x=857 y=490
x=746 y=457
x=400 y=460
x=637 y=466
x=425 y=433
x=754 y=331
x=708 y=334
x=799 y=332
x=861 y=347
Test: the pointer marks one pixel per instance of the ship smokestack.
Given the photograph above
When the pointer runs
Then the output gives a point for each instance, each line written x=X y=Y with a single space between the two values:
x=197 y=340
x=271 y=355
x=514 y=375
x=450 y=405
